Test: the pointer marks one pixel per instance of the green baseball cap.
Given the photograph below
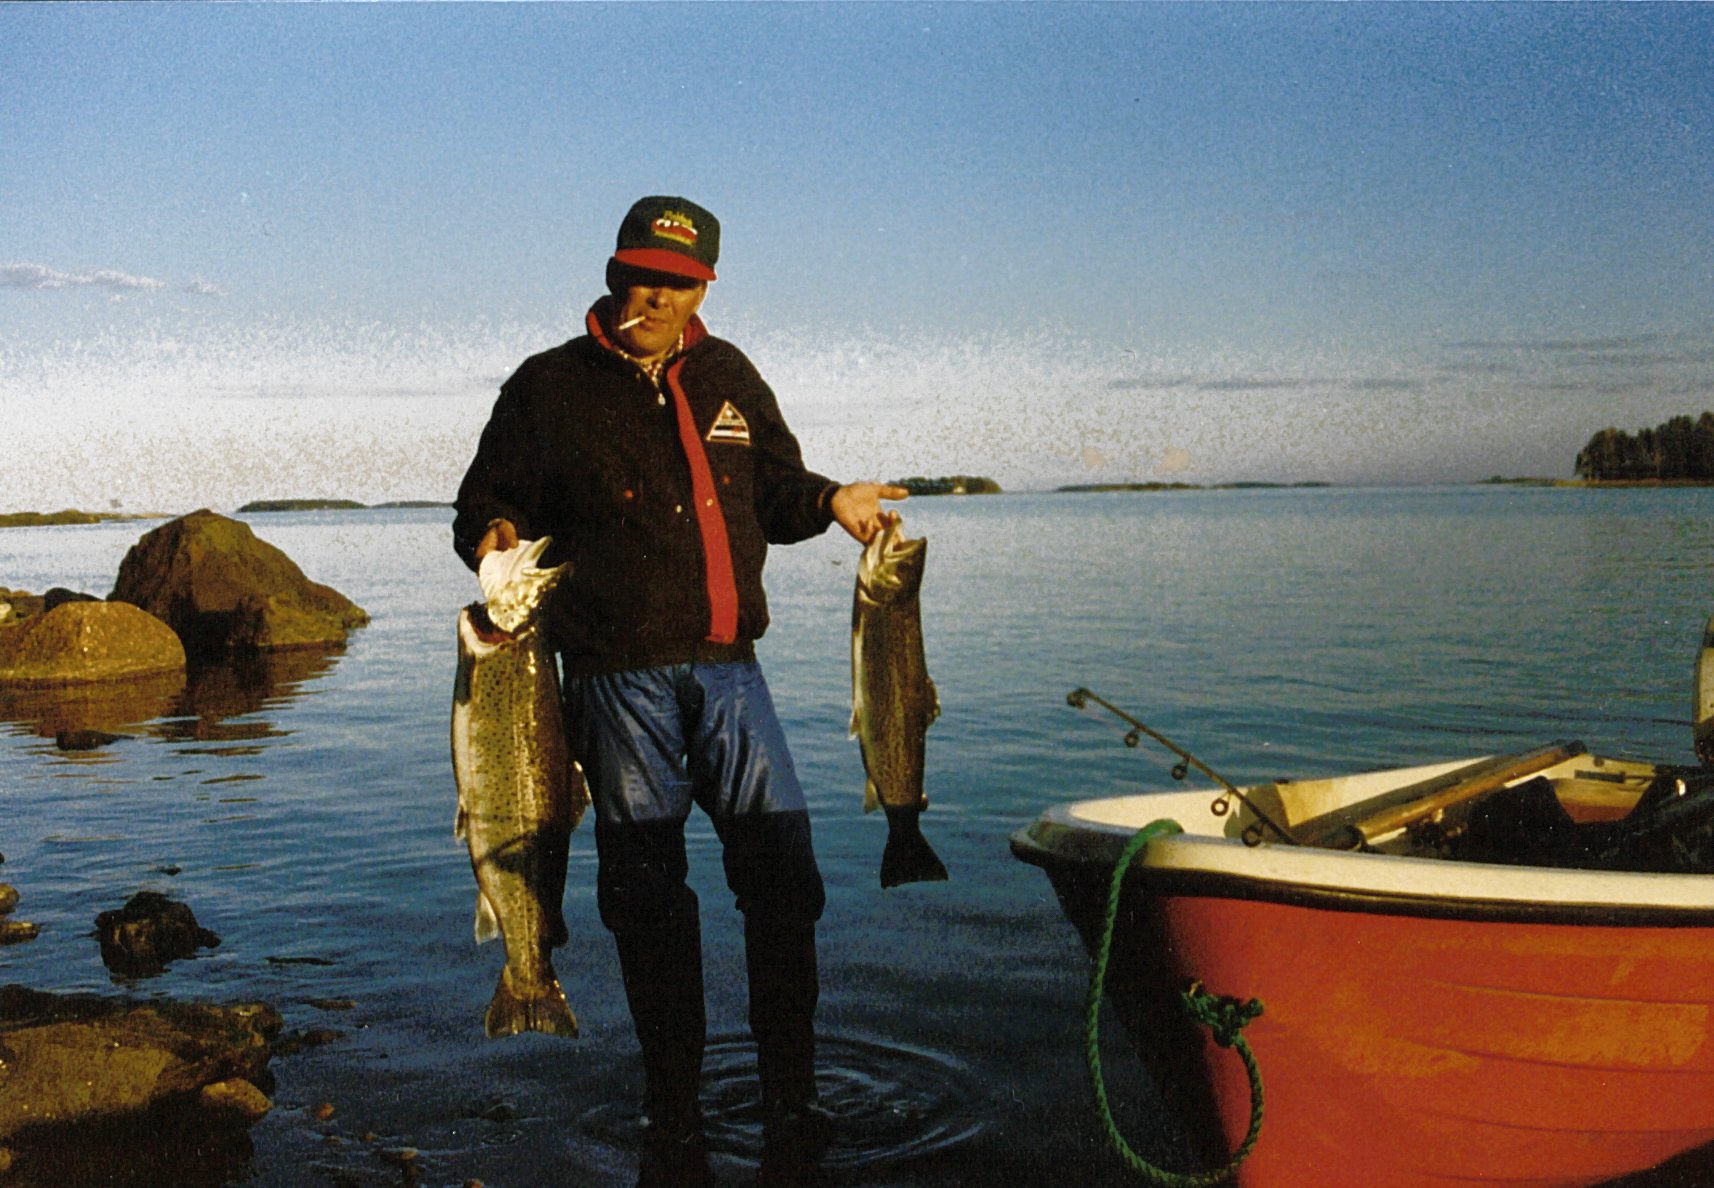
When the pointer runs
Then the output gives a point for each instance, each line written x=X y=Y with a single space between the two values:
x=666 y=234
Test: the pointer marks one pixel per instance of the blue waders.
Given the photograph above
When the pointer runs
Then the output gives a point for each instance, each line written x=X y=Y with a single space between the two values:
x=652 y=743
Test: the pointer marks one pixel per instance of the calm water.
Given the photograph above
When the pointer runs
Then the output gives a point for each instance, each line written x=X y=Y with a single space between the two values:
x=305 y=813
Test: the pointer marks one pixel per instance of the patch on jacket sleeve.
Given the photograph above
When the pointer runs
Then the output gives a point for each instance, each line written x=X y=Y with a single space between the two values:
x=730 y=425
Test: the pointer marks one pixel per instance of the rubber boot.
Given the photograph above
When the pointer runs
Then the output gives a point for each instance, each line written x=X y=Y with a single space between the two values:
x=784 y=988
x=662 y=971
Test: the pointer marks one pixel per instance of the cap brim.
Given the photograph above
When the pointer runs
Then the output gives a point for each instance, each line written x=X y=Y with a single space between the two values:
x=661 y=260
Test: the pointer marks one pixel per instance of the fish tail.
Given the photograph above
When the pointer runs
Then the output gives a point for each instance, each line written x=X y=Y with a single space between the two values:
x=510 y=1014
x=908 y=858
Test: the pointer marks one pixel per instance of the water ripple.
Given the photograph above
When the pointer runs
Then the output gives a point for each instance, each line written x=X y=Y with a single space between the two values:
x=890 y=1103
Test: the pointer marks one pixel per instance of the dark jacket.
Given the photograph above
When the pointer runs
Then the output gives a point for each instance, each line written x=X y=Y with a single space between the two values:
x=585 y=447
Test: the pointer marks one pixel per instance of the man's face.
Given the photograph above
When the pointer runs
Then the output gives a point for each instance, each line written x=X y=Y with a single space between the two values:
x=665 y=305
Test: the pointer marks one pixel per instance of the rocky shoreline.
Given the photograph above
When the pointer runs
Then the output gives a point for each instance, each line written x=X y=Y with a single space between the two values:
x=76 y=1061
x=202 y=586
x=131 y=1090
x=87 y=1074
x=114 y=1089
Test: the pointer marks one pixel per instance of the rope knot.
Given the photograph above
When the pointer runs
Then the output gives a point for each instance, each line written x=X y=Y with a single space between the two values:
x=1224 y=1016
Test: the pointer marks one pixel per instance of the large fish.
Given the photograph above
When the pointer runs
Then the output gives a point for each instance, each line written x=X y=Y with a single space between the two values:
x=892 y=698
x=519 y=793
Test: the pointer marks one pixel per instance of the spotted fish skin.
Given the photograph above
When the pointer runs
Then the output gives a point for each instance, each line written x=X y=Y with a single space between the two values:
x=519 y=793
x=893 y=701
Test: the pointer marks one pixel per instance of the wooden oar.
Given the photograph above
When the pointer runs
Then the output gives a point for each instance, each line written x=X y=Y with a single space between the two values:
x=1356 y=825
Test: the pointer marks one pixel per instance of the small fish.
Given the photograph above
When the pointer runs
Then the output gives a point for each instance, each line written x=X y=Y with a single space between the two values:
x=892 y=698
x=519 y=793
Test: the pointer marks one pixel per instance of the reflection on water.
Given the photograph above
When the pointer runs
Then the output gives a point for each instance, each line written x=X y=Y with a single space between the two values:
x=84 y=717
x=241 y=687
x=198 y=704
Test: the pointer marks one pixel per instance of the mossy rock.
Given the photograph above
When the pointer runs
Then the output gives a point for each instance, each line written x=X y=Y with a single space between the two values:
x=82 y=1059
x=224 y=590
x=82 y=641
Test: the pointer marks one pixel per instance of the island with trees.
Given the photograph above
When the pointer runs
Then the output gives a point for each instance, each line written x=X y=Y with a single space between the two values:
x=1679 y=451
x=1084 y=488
x=281 y=505
x=36 y=519
x=952 y=484
x=288 y=505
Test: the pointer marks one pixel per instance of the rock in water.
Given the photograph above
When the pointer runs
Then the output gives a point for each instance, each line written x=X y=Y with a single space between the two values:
x=81 y=1059
x=59 y=596
x=236 y=1098
x=13 y=932
x=85 y=740
x=82 y=641
x=224 y=590
x=16 y=932
x=139 y=939
x=23 y=604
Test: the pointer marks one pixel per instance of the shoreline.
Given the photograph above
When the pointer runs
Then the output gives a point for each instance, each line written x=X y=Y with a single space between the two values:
x=36 y=519
x=74 y=516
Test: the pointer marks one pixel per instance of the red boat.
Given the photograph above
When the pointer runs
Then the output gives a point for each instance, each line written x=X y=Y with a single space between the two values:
x=1445 y=998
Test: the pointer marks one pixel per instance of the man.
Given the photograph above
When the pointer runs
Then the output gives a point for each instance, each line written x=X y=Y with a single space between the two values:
x=656 y=458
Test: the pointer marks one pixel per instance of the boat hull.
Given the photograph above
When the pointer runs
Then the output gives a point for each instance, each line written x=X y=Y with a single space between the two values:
x=1408 y=1041
x=1415 y=1052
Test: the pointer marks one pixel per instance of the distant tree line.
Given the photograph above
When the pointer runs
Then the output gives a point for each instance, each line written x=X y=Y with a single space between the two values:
x=1681 y=450
x=952 y=484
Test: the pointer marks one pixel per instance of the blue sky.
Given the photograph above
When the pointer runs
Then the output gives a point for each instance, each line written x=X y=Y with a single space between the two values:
x=271 y=250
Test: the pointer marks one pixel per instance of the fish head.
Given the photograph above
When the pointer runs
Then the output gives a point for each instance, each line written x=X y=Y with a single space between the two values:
x=514 y=587
x=892 y=563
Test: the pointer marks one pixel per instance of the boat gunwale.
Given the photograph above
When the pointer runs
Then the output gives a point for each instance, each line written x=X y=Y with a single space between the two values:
x=1162 y=882
x=1200 y=861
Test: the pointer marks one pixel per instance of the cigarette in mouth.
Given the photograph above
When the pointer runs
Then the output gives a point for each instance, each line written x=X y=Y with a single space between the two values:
x=627 y=325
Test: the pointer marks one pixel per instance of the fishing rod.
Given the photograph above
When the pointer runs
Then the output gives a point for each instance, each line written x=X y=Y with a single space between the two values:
x=1081 y=697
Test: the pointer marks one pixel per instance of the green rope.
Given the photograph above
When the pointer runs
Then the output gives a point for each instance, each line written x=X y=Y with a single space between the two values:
x=1224 y=1017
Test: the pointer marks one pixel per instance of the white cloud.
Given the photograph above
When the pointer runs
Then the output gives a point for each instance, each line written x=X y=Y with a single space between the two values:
x=40 y=276
x=178 y=413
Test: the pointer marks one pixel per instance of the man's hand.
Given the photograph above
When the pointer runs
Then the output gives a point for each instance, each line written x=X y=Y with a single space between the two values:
x=501 y=535
x=857 y=508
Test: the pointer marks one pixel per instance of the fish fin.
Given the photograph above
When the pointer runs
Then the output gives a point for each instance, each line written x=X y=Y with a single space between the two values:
x=908 y=858
x=461 y=674
x=856 y=666
x=508 y=1014
x=934 y=702
x=579 y=795
x=487 y=923
x=871 y=796
x=460 y=822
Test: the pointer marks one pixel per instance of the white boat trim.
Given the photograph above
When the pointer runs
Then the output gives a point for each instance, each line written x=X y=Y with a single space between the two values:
x=1211 y=845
